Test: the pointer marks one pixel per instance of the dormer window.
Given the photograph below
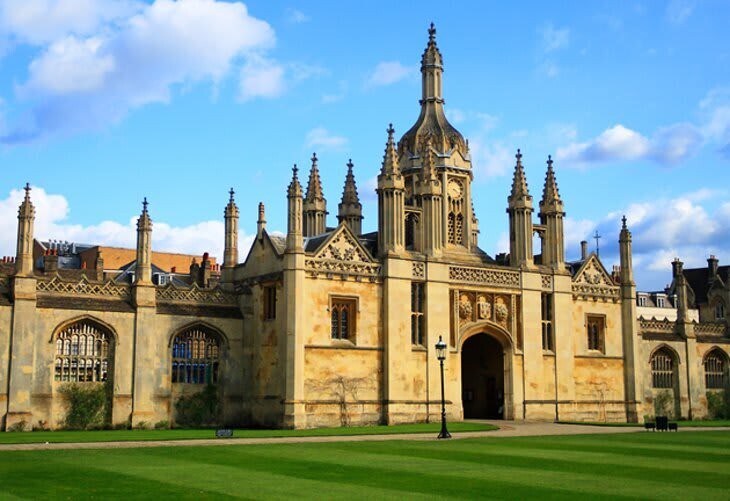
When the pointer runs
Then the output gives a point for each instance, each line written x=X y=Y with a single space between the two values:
x=660 y=302
x=719 y=311
x=641 y=300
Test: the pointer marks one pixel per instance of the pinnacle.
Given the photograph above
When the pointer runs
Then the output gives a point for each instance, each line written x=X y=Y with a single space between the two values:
x=349 y=193
x=314 y=187
x=519 y=180
x=550 y=193
x=295 y=189
x=432 y=55
x=390 y=158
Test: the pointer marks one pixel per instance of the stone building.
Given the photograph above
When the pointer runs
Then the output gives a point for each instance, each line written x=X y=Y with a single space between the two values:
x=332 y=326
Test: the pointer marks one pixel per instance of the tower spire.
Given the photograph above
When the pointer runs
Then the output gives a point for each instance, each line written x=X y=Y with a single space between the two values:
x=144 y=247
x=24 y=249
x=230 y=248
x=294 y=214
x=350 y=209
x=519 y=209
x=315 y=205
x=551 y=216
x=550 y=193
x=519 y=180
x=432 y=67
x=390 y=158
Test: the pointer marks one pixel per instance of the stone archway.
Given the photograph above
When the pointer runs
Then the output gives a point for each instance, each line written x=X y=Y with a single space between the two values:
x=483 y=378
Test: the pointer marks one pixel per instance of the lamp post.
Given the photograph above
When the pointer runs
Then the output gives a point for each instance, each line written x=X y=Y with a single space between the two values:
x=441 y=355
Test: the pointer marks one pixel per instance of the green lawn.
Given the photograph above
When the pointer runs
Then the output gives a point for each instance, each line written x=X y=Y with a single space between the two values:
x=688 y=465
x=718 y=423
x=127 y=435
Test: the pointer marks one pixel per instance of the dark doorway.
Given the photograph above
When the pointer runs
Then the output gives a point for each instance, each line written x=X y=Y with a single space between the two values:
x=482 y=377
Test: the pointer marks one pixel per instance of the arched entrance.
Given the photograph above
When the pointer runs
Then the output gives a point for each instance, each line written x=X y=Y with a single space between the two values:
x=482 y=377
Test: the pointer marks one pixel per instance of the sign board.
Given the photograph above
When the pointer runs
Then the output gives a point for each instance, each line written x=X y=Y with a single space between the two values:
x=224 y=433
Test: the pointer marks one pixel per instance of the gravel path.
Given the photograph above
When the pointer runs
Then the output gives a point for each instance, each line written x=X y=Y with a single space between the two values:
x=507 y=429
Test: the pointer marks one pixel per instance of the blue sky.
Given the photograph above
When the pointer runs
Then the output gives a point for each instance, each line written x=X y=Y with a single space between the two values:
x=104 y=102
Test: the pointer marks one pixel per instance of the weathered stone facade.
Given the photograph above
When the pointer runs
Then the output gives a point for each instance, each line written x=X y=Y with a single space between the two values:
x=330 y=326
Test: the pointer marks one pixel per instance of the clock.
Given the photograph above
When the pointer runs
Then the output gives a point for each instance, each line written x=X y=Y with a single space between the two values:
x=454 y=189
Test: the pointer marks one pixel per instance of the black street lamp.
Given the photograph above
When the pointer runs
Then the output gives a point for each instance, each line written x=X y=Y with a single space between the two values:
x=441 y=355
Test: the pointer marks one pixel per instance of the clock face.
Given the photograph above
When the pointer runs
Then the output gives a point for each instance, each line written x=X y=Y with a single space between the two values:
x=454 y=189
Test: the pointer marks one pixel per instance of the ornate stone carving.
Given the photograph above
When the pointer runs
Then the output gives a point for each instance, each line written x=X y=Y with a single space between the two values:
x=419 y=270
x=343 y=248
x=501 y=311
x=587 y=291
x=84 y=288
x=546 y=281
x=484 y=308
x=665 y=326
x=484 y=276
x=315 y=267
x=710 y=329
x=195 y=294
x=465 y=308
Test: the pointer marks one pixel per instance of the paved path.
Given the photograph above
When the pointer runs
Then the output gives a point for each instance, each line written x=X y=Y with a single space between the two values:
x=507 y=429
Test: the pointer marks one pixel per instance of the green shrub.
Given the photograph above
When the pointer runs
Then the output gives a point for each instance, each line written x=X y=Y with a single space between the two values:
x=88 y=406
x=198 y=409
x=162 y=425
x=664 y=404
x=718 y=404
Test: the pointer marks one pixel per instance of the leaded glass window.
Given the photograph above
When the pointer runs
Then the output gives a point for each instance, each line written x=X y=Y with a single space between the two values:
x=83 y=353
x=196 y=356
x=662 y=369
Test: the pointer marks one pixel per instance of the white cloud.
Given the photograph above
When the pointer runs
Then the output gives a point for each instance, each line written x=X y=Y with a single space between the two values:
x=675 y=143
x=321 y=138
x=554 y=38
x=261 y=78
x=42 y=21
x=389 y=72
x=616 y=143
x=491 y=159
x=69 y=65
x=295 y=16
x=679 y=10
x=52 y=222
x=100 y=77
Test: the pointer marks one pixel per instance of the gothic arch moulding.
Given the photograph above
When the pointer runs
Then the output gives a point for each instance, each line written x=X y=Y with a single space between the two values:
x=668 y=349
x=490 y=328
x=216 y=331
x=85 y=318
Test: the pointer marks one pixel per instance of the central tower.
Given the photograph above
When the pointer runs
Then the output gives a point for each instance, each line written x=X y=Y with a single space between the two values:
x=435 y=163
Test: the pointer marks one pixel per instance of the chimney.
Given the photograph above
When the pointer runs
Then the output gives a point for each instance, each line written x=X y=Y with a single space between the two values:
x=583 y=250
x=712 y=267
x=676 y=267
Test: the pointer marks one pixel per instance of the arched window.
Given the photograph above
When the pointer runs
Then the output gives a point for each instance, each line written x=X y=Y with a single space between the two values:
x=719 y=310
x=662 y=369
x=84 y=353
x=716 y=370
x=196 y=356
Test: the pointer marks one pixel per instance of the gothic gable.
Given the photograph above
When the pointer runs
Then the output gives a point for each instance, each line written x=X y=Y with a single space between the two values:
x=342 y=245
x=593 y=273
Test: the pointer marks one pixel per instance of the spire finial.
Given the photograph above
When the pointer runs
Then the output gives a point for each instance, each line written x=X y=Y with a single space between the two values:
x=294 y=171
x=518 y=156
x=623 y=222
x=432 y=33
x=27 y=191
x=144 y=205
x=350 y=165
x=231 y=193
x=550 y=162
x=314 y=158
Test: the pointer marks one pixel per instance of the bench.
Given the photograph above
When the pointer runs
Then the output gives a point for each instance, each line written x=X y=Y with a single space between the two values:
x=649 y=426
x=672 y=426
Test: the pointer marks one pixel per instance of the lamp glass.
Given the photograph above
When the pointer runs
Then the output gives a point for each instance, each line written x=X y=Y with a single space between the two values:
x=441 y=349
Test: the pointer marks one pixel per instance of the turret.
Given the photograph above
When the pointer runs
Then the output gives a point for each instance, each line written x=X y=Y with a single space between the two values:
x=350 y=209
x=520 y=218
x=391 y=193
x=624 y=243
x=261 y=221
x=315 y=205
x=294 y=241
x=680 y=289
x=230 y=250
x=24 y=252
x=144 y=247
x=551 y=217
x=429 y=191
